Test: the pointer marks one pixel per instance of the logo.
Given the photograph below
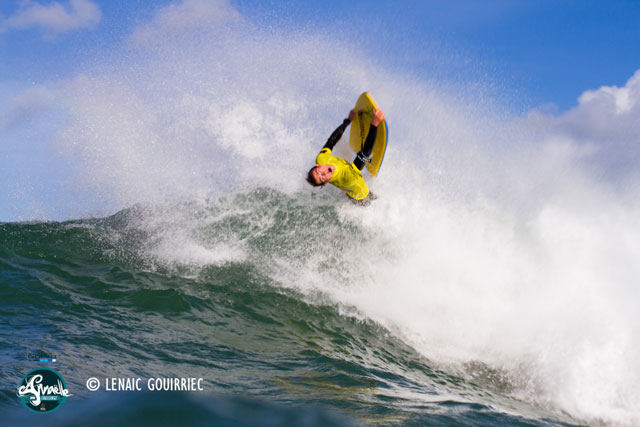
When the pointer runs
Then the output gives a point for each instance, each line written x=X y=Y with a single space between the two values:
x=43 y=390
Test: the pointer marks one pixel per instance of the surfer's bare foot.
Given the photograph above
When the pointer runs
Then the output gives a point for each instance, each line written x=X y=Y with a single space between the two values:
x=378 y=116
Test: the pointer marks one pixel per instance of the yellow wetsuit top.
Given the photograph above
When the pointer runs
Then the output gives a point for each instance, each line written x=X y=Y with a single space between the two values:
x=346 y=177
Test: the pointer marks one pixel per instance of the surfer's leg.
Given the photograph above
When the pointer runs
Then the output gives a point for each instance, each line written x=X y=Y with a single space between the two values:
x=363 y=202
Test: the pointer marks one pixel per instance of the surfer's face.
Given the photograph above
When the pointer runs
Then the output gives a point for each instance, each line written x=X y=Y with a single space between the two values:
x=323 y=173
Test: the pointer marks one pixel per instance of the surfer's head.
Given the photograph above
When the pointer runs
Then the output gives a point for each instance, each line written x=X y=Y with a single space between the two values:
x=320 y=174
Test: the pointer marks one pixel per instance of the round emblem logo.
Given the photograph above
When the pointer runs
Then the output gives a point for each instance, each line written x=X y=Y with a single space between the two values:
x=43 y=390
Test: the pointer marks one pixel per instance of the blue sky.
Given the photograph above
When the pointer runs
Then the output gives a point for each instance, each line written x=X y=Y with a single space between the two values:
x=533 y=52
x=546 y=51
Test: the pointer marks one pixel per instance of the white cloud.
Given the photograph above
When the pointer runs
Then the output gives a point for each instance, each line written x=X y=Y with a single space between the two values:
x=604 y=128
x=54 y=17
x=185 y=16
x=609 y=112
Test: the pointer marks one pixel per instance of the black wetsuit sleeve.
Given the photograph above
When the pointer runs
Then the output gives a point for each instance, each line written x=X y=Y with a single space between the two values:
x=336 y=135
x=364 y=156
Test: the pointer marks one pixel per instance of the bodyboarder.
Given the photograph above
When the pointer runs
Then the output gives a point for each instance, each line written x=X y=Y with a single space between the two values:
x=340 y=173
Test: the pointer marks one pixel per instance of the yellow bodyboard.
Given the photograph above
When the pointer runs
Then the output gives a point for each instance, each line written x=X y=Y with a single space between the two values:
x=360 y=129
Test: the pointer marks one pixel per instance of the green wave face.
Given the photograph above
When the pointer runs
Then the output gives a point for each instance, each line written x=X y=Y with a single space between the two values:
x=242 y=291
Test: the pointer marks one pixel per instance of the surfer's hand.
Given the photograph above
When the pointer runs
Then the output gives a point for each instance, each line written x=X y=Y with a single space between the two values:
x=378 y=116
x=352 y=115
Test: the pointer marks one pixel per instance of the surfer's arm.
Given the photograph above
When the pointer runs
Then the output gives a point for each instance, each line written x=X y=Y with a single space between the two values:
x=364 y=156
x=336 y=135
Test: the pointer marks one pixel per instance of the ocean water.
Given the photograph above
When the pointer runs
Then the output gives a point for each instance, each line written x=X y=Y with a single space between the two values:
x=493 y=282
x=100 y=295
